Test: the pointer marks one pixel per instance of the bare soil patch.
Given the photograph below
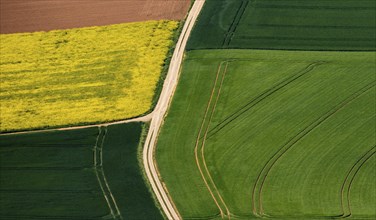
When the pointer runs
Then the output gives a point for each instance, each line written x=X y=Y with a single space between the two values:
x=17 y=16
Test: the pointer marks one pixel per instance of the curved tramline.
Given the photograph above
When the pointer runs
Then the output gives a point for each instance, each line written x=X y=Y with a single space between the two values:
x=347 y=183
x=362 y=189
x=273 y=117
x=280 y=148
x=341 y=163
x=286 y=131
x=263 y=175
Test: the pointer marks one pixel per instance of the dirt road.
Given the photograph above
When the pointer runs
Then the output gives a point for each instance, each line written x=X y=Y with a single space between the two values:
x=160 y=112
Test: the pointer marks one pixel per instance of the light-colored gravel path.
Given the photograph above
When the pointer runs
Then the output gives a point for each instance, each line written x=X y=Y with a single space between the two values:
x=160 y=111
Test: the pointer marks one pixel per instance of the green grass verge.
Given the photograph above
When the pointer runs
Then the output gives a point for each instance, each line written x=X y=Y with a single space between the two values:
x=166 y=66
x=283 y=134
x=65 y=175
x=286 y=24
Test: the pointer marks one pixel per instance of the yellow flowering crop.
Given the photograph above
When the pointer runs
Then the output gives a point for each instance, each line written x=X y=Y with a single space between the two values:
x=82 y=75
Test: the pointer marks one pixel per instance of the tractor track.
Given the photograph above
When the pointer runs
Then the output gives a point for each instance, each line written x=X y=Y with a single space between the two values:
x=264 y=173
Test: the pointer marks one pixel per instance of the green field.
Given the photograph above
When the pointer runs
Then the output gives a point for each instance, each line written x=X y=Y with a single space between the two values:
x=285 y=130
x=280 y=134
x=89 y=173
x=286 y=24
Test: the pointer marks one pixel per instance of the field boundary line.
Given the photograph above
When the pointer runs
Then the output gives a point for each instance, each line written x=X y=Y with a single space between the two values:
x=347 y=183
x=38 y=217
x=203 y=218
x=45 y=191
x=144 y=118
x=264 y=173
x=46 y=168
x=265 y=94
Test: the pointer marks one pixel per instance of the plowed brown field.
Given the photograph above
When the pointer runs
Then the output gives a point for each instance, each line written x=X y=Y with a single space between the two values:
x=42 y=15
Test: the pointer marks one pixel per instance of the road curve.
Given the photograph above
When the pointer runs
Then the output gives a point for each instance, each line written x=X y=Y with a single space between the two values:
x=159 y=113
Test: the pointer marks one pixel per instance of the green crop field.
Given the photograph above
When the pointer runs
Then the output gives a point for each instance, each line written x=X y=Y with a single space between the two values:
x=279 y=134
x=286 y=130
x=75 y=174
x=286 y=24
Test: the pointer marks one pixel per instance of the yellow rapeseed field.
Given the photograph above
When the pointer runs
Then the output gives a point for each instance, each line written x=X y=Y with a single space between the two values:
x=82 y=75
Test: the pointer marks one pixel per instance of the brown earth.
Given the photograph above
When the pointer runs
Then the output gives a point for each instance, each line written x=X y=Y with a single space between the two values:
x=17 y=16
